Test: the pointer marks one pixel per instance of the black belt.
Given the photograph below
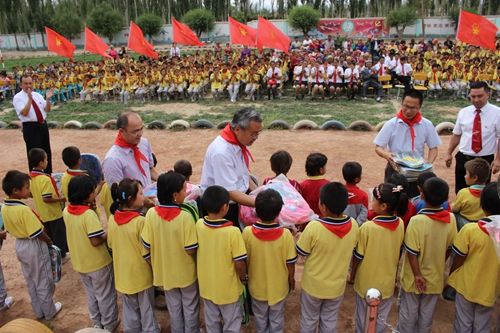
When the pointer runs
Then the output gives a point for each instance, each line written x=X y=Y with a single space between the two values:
x=470 y=157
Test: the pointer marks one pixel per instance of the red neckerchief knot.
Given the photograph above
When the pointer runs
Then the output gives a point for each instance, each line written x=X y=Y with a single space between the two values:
x=410 y=123
x=228 y=135
x=138 y=155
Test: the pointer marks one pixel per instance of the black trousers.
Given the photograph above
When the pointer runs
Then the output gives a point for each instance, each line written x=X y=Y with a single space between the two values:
x=56 y=230
x=36 y=135
x=460 y=160
x=405 y=80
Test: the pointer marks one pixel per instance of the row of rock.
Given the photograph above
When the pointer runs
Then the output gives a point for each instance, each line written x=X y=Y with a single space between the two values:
x=180 y=124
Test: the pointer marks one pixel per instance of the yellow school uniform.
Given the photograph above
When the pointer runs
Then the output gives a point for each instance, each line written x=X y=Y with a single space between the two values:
x=168 y=241
x=132 y=272
x=66 y=177
x=216 y=80
x=41 y=186
x=468 y=205
x=434 y=78
x=267 y=262
x=220 y=245
x=19 y=220
x=429 y=240
x=328 y=257
x=85 y=257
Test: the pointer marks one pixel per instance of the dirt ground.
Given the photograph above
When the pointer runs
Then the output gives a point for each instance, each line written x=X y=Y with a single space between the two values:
x=171 y=146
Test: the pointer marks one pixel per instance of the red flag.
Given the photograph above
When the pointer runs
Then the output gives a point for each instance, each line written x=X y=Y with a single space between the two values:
x=241 y=33
x=270 y=36
x=138 y=43
x=58 y=44
x=184 y=35
x=476 y=30
x=94 y=44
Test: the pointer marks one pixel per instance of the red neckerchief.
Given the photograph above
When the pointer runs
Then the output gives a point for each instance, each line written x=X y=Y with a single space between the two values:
x=435 y=76
x=228 y=135
x=410 y=123
x=338 y=226
x=138 y=155
x=36 y=173
x=475 y=192
x=439 y=215
x=125 y=216
x=77 y=209
x=481 y=224
x=267 y=232
x=214 y=224
x=388 y=222
x=334 y=74
x=72 y=172
x=168 y=213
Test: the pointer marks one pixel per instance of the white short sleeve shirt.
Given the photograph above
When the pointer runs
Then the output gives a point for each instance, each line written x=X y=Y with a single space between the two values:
x=20 y=100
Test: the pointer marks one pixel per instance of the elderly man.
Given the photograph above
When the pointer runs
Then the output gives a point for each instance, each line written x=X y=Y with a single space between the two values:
x=476 y=132
x=32 y=110
x=407 y=132
x=227 y=160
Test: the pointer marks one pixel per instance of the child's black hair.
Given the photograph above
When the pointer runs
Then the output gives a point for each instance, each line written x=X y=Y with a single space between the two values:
x=314 y=162
x=35 y=157
x=436 y=191
x=423 y=177
x=184 y=168
x=268 y=204
x=351 y=171
x=394 y=196
x=169 y=183
x=479 y=168
x=490 y=199
x=281 y=162
x=399 y=179
x=70 y=156
x=214 y=198
x=124 y=193
x=334 y=196
x=79 y=189
x=14 y=180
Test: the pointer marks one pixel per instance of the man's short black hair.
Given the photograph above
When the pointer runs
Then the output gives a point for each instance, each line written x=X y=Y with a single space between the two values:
x=479 y=85
x=281 y=162
x=490 y=199
x=314 y=162
x=14 y=180
x=423 y=177
x=71 y=156
x=351 y=171
x=122 y=120
x=35 y=156
x=184 y=168
x=436 y=191
x=413 y=93
x=268 y=204
x=334 y=196
x=214 y=198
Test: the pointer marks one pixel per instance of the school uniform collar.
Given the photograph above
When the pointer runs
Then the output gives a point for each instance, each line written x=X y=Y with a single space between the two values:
x=316 y=177
x=437 y=214
x=335 y=220
x=340 y=226
x=38 y=172
x=76 y=172
x=168 y=212
x=267 y=231
x=219 y=223
x=13 y=202
x=388 y=222
x=481 y=224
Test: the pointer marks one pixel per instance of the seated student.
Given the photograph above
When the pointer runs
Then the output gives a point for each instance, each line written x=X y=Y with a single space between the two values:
x=317 y=80
x=300 y=75
x=310 y=187
x=467 y=206
x=422 y=280
x=434 y=79
x=72 y=159
x=327 y=244
x=475 y=273
x=369 y=78
x=271 y=263
x=281 y=162
x=450 y=81
x=31 y=245
x=417 y=203
x=357 y=206
x=376 y=257
x=89 y=253
x=351 y=77
x=220 y=263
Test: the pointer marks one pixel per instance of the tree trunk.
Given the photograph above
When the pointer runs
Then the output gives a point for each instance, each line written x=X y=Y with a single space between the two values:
x=17 y=43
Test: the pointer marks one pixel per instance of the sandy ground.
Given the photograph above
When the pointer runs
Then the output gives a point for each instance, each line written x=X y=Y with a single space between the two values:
x=171 y=146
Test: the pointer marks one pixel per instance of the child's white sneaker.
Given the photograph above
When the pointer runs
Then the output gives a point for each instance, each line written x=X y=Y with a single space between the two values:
x=9 y=300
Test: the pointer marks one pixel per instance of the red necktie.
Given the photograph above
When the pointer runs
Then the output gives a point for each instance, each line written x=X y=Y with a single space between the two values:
x=38 y=113
x=477 y=141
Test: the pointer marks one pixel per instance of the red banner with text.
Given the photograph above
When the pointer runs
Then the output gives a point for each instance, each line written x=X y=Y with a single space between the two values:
x=362 y=27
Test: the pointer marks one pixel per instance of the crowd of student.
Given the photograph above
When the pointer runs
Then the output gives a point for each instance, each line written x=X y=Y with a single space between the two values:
x=350 y=242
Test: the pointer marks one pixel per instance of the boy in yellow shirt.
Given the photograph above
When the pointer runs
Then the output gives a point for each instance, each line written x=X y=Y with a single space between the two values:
x=72 y=159
x=220 y=263
x=467 y=207
x=271 y=263
x=422 y=278
x=434 y=79
x=327 y=244
x=475 y=273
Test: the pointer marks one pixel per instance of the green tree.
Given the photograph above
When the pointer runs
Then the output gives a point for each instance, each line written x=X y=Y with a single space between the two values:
x=401 y=17
x=304 y=18
x=150 y=24
x=199 y=20
x=67 y=22
x=454 y=13
x=105 y=20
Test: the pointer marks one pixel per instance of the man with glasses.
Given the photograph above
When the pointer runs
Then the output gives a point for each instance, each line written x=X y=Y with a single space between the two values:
x=227 y=160
x=407 y=132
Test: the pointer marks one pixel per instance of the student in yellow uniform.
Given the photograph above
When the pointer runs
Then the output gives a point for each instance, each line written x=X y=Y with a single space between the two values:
x=170 y=235
x=72 y=159
x=466 y=206
x=434 y=79
x=133 y=274
x=422 y=280
x=475 y=273
x=89 y=254
x=376 y=256
x=233 y=83
x=327 y=244
x=217 y=85
x=31 y=244
x=47 y=199
x=271 y=263
x=220 y=263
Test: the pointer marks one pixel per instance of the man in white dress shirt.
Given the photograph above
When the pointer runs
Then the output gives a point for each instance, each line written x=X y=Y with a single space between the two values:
x=32 y=109
x=175 y=51
x=476 y=133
